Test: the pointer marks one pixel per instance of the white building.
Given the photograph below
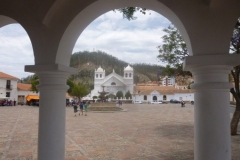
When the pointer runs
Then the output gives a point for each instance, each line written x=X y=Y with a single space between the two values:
x=24 y=91
x=113 y=82
x=157 y=93
x=168 y=81
x=8 y=86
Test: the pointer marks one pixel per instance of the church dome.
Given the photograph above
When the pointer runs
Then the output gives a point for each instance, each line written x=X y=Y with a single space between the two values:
x=128 y=68
x=100 y=69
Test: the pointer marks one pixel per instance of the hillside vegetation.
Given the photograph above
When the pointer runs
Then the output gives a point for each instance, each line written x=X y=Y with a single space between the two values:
x=87 y=62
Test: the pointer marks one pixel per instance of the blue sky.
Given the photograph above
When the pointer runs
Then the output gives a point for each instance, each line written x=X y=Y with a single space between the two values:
x=132 y=41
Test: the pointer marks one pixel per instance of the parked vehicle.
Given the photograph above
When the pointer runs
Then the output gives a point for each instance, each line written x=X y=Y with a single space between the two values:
x=33 y=102
x=156 y=102
x=163 y=102
x=138 y=102
x=174 y=101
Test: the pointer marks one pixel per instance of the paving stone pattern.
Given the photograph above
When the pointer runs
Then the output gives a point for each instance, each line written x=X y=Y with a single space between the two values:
x=144 y=132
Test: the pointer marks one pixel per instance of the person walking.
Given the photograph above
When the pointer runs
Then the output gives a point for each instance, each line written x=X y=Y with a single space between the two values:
x=81 y=108
x=75 y=107
x=86 y=104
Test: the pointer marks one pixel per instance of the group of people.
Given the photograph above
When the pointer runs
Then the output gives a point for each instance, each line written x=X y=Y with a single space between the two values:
x=119 y=103
x=84 y=104
x=6 y=102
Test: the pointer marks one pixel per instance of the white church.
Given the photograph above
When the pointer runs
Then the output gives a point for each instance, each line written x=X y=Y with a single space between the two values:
x=113 y=82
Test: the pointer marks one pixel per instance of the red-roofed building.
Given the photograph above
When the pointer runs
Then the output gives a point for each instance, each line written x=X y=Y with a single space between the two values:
x=149 y=93
x=23 y=91
x=8 y=86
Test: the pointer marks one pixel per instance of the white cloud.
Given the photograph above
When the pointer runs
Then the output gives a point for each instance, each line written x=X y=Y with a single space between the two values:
x=131 y=41
x=15 y=50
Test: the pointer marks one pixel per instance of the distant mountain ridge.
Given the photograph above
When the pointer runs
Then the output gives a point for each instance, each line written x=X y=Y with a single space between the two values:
x=86 y=63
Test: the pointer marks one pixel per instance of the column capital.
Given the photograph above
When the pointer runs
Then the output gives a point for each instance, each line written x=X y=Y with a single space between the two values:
x=191 y=62
x=211 y=77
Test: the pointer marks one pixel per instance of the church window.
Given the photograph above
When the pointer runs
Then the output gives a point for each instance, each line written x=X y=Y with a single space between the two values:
x=130 y=75
x=100 y=75
x=145 y=97
x=126 y=75
x=113 y=83
x=96 y=75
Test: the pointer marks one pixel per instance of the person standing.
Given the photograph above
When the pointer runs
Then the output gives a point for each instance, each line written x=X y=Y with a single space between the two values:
x=14 y=102
x=75 y=107
x=81 y=108
x=86 y=107
x=183 y=103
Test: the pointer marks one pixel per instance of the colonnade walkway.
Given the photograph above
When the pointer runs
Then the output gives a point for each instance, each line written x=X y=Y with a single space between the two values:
x=144 y=132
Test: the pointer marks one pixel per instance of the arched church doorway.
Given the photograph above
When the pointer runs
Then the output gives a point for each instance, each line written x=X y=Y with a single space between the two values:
x=154 y=98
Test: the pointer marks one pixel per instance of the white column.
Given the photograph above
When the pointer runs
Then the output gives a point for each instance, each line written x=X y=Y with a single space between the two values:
x=212 y=140
x=52 y=111
x=211 y=113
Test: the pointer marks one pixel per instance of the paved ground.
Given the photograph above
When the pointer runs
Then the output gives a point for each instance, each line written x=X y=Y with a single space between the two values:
x=144 y=132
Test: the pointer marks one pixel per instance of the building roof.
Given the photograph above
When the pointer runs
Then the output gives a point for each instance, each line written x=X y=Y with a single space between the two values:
x=145 y=90
x=128 y=68
x=100 y=69
x=7 y=76
x=24 y=87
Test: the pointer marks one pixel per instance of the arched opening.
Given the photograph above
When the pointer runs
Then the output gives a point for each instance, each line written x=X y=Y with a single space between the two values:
x=80 y=22
x=126 y=75
x=154 y=98
x=130 y=75
x=164 y=97
x=16 y=52
x=113 y=83
x=145 y=97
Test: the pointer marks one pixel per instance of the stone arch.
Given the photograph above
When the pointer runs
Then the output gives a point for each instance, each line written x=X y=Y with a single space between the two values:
x=91 y=12
x=4 y=20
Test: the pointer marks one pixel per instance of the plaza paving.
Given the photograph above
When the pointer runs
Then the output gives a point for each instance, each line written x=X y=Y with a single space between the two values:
x=144 y=132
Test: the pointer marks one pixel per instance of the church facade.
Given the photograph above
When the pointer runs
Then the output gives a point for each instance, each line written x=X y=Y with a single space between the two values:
x=113 y=82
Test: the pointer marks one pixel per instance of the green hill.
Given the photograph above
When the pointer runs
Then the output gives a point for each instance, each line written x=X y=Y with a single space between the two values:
x=87 y=62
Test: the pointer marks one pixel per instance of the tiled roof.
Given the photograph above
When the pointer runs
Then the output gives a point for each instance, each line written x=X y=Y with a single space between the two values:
x=7 y=76
x=24 y=87
x=144 y=90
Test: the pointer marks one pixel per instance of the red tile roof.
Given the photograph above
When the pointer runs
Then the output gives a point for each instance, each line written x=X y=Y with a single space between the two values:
x=24 y=87
x=144 y=90
x=7 y=76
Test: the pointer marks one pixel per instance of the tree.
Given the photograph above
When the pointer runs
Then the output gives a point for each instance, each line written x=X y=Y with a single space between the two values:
x=235 y=49
x=128 y=95
x=79 y=91
x=119 y=94
x=112 y=96
x=128 y=12
x=34 y=83
x=71 y=84
x=174 y=49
